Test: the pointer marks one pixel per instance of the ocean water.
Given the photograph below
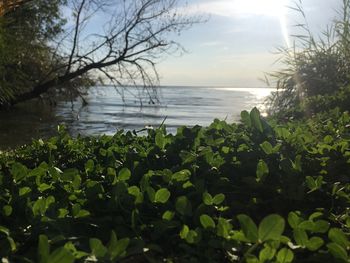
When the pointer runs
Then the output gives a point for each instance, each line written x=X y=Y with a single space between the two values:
x=107 y=111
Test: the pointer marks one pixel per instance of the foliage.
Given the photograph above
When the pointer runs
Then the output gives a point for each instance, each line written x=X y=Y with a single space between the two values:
x=25 y=53
x=251 y=192
x=313 y=67
x=110 y=42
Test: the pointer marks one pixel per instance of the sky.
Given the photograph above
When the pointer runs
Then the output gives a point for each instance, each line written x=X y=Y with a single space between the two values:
x=237 y=44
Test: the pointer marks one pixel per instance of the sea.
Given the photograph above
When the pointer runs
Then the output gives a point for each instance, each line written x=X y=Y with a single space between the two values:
x=109 y=109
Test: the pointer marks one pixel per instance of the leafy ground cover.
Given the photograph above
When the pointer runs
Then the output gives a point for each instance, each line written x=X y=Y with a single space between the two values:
x=257 y=191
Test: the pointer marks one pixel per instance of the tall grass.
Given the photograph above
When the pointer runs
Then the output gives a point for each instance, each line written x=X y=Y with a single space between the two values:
x=313 y=66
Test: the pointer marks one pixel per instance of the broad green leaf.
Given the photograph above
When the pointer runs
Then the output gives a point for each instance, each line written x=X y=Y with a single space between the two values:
x=314 y=243
x=300 y=237
x=117 y=248
x=267 y=147
x=24 y=190
x=192 y=237
x=183 y=206
x=89 y=166
x=18 y=171
x=245 y=117
x=43 y=187
x=218 y=199
x=338 y=251
x=61 y=255
x=249 y=228
x=207 y=198
x=97 y=248
x=62 y=213
x=7 y=210
x=181 y=176
x=124 y=174
x=162 y=196
x=338 y=237
x=262 y=170
x=168 y=215
x=76 y=253
x=294 y=220
x=255 y=119
x=136 y=192
x=43 y=249
x=285 y=255
x=271 y=228
x=39 y=207
x=207 y=221
x=223 y=228
x=321 y=226
x=267 y=253
x=184 y=231
x=307 y=225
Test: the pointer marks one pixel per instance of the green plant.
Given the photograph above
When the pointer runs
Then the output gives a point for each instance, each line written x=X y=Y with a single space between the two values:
x=313 y=67
x=251 y=192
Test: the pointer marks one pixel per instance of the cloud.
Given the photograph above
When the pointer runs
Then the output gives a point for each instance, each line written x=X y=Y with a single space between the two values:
x=239 y=8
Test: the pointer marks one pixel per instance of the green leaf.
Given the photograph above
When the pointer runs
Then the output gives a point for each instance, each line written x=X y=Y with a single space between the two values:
x=271 y=228
x=245 y=117
x=192 y=237
x=43 y=249
x=184 y=231
x=223 y=228
x=168 y=215
x=43 y=187
x=207 y=198
x=338 y=237
x=4 y=230
x=207 y=221
x=183 y=205
x=7 y=210
x=249 y=228
x=181 y=176
x=62 y=213
x=314 y=243
x=294 y=220
x=39 y=207
x=117 y=248
x=124 y=174
x=338 y=251
x=255 y=119
x=267 y=253
x=162 y=196
x=135 y=191
x=97 y=248
x=262 y=170
x=61 y=255
x=160 y=139
x=267 y=147
x=24 y=190
x=89 y=166
x=300 y=237
x=321 y=226
x=218 y=199
x=18 y=171
x=285 y=255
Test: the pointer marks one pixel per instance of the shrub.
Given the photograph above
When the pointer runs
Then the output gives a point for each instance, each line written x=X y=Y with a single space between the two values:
x=250 y=192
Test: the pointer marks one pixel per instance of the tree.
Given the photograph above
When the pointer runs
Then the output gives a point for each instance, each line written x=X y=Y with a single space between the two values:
x=124 y=50
x=24 y=51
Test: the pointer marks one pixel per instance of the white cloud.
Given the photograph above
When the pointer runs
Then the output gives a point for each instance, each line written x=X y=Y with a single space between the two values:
x=240 y=8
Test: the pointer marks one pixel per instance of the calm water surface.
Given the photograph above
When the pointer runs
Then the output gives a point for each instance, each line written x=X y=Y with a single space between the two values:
x=106 y=112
